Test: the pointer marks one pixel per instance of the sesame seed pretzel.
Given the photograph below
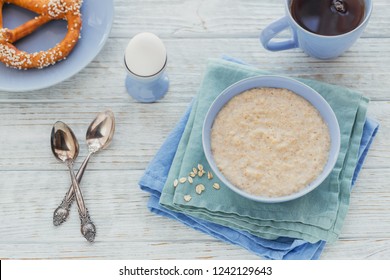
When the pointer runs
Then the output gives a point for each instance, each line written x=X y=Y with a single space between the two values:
x=47 y=10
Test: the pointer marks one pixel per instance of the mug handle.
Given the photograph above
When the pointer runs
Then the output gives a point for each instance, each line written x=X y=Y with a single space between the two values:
x=271 y=31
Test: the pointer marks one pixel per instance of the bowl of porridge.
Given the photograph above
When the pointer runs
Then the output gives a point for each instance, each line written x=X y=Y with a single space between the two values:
x=271 y=138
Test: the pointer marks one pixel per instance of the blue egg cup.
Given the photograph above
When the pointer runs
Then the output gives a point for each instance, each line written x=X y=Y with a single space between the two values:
x=147 y=89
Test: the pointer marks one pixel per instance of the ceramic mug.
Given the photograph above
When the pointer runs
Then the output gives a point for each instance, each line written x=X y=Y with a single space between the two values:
x=318 y=46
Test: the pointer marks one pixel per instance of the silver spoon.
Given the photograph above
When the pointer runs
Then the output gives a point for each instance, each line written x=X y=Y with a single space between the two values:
x=65 y=148
x=99 y=136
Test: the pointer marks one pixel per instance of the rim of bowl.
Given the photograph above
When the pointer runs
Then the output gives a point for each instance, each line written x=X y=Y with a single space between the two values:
x=274 y=81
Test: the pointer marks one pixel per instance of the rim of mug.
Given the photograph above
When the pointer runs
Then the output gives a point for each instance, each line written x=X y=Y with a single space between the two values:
x=367 y=16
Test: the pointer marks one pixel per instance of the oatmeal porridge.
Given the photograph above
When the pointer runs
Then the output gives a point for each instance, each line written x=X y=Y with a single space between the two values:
x=270 y=142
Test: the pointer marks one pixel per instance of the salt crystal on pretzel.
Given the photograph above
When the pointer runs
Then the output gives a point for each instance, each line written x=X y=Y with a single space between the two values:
x=47 y=10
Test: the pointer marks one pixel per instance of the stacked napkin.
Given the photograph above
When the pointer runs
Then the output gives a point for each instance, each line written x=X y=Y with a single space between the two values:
x=291 y=230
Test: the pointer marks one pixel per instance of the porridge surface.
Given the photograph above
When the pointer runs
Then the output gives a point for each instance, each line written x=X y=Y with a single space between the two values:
x=270 y=142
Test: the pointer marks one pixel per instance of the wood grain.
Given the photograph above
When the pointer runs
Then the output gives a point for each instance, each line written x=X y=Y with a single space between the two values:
x=33 y=182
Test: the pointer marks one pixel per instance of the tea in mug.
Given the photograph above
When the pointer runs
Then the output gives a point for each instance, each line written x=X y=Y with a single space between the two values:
x=328 y=17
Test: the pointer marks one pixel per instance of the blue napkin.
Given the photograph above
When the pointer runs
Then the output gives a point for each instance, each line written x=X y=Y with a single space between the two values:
x=156 y=175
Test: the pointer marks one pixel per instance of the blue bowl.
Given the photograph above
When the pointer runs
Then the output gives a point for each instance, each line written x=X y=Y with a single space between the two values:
x=274 y=82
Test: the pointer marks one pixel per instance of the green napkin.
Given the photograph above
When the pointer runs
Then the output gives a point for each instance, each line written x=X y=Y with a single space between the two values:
x=319 y=215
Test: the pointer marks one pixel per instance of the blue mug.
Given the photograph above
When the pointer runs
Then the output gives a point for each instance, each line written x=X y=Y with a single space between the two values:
x=318 y=46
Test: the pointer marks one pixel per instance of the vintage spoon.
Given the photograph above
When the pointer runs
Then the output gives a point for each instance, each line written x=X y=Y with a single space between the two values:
x=98 y=136
x=65 y=148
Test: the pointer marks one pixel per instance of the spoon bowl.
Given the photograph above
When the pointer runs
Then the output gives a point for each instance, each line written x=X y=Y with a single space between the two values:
x=64 y=144
x=100 y=131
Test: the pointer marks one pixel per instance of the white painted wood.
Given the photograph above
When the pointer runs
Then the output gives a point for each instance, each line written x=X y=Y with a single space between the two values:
x=33 y=182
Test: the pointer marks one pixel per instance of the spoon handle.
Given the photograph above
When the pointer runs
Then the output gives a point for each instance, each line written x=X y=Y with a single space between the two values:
x=61 y=213
x=88 y=229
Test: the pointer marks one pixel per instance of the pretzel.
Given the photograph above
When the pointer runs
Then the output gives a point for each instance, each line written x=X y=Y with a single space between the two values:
x=47 y=10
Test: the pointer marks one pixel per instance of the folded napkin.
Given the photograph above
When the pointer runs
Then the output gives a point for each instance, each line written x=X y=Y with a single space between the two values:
x=219 y=210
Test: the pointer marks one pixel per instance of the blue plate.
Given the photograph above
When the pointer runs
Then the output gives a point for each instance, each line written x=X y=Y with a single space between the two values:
x=274 y=82
x=97 y=23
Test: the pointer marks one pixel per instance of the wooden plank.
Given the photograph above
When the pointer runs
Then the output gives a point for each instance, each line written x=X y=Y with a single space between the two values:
x=119 y=211
x=363 y=68
x=179 y=250
x=119 y=250
x=26 y=146
x=216 y=18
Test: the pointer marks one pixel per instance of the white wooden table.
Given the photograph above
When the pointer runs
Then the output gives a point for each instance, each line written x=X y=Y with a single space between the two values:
x=32 y=182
